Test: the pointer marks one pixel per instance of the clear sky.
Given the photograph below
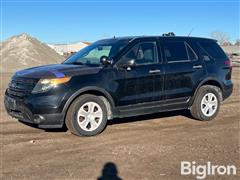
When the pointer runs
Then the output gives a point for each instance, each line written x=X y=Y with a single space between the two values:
x=62 y=21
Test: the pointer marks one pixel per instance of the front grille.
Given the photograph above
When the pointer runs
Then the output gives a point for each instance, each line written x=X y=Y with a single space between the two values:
x=21 y=87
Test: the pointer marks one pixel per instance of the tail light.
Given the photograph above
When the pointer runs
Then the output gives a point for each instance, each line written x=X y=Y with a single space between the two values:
x=228 y=63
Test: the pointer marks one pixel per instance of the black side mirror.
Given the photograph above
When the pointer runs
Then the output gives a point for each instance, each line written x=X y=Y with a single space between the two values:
x=128 y=65
x=105 y=60
x=131 y=63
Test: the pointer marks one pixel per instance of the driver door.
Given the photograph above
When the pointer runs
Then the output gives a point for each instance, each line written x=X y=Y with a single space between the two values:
x=136 y=82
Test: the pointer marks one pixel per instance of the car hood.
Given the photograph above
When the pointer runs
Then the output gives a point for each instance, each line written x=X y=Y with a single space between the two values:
x=57 y=71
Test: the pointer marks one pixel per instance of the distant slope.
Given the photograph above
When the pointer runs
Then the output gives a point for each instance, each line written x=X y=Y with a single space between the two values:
x=23 y=51
x=68 y=48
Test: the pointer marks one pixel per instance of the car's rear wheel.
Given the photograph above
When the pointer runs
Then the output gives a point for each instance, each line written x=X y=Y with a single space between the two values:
x=87 y=116
x=206 y=103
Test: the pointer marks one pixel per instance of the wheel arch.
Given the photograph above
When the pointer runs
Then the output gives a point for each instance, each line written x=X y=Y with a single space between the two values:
x=207 y=81
x=106 y=97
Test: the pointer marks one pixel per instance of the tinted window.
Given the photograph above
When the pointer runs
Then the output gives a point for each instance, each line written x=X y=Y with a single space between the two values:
x=213 y=49
x=175 y=51
x=142 y=53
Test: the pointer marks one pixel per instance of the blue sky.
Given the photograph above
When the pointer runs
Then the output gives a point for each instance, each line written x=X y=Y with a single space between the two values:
x=62 y=21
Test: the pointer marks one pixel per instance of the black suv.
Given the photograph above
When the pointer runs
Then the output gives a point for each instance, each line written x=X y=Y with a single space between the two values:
x=123 y=77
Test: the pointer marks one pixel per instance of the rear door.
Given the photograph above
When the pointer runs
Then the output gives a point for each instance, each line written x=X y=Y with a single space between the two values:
x=183 y=70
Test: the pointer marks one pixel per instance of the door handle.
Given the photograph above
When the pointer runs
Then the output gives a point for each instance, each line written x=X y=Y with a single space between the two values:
x=197 y=67
x=154 y=71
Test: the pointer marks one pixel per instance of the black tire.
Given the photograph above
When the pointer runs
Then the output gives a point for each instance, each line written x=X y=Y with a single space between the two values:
x=71 y=120
x=196 y=109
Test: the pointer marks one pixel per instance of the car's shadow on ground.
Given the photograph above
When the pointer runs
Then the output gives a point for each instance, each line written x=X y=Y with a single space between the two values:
x=115 y=121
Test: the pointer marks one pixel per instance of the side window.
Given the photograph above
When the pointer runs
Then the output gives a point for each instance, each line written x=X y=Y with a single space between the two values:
x=142 y=53
x=213 y=49
x=191 y=54
x=147 y=53
x=175 y=51
x=131 y=54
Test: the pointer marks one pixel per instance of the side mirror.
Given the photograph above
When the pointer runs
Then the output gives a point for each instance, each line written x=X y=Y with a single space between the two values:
x=131 y=63
x=105 y=60
x=128 y=65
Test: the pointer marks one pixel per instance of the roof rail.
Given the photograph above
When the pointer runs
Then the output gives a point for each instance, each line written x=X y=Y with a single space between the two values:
x=168 y=34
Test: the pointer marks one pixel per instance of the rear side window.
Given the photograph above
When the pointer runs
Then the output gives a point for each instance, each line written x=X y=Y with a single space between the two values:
x=213 y=49
x=175 y=51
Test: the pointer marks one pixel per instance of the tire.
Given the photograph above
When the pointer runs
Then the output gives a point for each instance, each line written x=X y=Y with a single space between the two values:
x=207 y=102
x=87 y=116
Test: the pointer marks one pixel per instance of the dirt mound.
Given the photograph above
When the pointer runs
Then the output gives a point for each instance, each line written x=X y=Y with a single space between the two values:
x=23 y=51
x=67 y=48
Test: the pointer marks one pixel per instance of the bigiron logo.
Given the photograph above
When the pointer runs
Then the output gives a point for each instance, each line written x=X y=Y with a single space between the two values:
x=209 y=169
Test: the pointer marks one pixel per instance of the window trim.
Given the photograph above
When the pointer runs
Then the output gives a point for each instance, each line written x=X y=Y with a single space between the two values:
x=187 y=45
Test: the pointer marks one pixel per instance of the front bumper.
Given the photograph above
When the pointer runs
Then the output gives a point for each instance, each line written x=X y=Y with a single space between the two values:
x=33 y=112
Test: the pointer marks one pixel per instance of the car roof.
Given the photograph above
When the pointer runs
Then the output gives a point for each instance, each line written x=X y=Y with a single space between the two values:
x=130 y=38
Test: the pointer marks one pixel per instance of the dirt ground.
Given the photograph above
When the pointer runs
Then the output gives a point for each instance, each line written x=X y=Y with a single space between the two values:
x=145 y=147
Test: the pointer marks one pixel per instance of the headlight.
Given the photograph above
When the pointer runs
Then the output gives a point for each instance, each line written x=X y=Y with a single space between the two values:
x=44 y=85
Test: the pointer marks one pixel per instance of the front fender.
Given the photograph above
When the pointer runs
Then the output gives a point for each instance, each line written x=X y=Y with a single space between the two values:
x=85 y=90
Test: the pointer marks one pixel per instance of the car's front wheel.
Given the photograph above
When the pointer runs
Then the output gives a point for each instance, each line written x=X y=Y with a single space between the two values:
x=206 y=103
x=87 y=116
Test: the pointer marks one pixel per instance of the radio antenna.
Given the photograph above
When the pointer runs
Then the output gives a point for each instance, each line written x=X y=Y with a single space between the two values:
x=190 y=32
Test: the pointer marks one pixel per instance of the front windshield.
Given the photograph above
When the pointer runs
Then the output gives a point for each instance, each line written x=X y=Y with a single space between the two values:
x=91 y=54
